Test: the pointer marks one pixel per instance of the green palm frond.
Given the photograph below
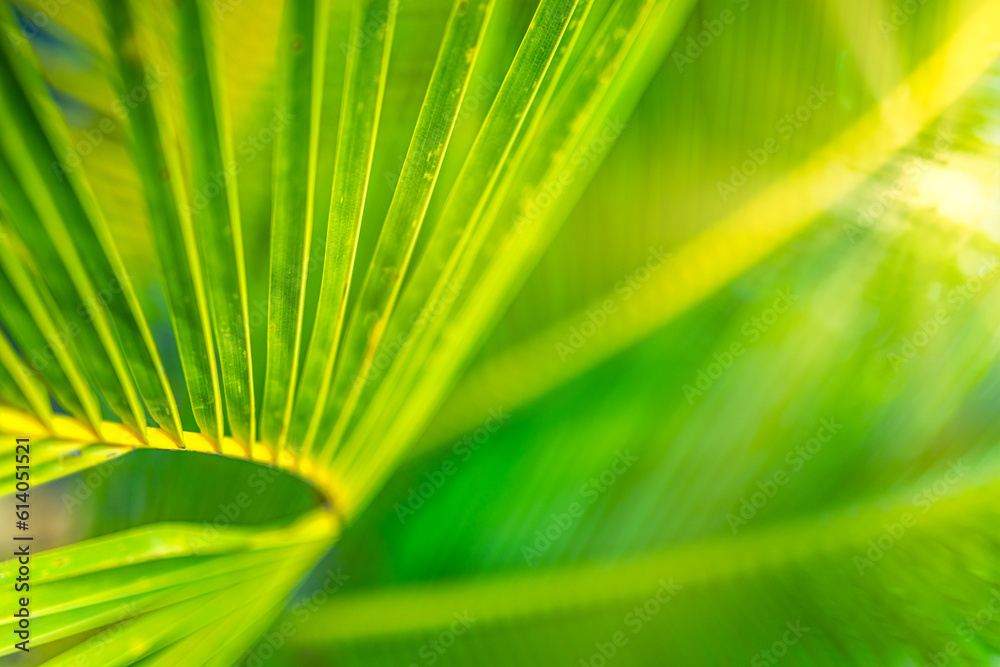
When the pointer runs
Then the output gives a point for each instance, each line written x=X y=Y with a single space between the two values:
x=475 y=310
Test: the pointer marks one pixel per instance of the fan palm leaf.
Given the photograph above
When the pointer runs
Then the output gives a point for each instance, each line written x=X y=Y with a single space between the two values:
x=483 y=343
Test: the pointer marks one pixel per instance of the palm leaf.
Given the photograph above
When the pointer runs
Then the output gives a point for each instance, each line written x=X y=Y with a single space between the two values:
x=302 y=47
x=361 y=105
x=449 y=195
